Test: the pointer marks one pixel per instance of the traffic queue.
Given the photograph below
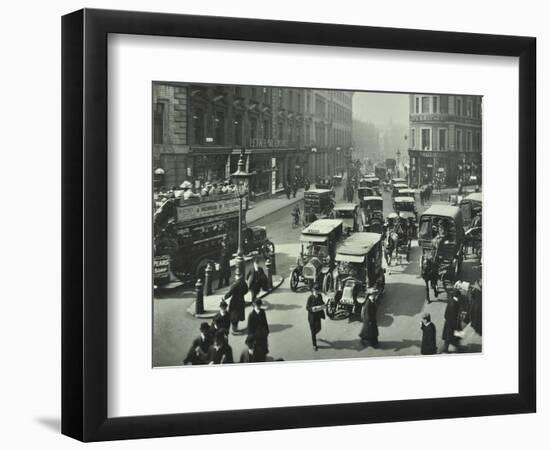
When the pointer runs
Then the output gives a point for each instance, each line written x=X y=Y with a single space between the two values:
x=346 y=250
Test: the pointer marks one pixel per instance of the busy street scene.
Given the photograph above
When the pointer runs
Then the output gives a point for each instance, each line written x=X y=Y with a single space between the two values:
x=294 y=224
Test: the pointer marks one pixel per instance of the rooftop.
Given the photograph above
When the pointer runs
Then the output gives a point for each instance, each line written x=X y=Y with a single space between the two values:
x=322 y=226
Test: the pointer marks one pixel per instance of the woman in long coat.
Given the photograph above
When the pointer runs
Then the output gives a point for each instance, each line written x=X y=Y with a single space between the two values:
x=369 y=332
x=314 y=317
x=236 y=292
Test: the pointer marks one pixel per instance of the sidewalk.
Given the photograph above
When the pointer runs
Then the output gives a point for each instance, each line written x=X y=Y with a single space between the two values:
x=212 y=302
x=263 y=208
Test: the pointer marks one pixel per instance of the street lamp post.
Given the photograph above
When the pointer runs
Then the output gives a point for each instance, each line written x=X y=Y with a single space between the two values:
x=240 y=178
x=398 y=162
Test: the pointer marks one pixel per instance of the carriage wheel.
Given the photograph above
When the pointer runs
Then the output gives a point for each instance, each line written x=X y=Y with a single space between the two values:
x=327 y=282
x=294 y=280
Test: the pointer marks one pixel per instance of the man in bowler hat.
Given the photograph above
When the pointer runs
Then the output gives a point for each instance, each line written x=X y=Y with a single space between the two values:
x=428 y=346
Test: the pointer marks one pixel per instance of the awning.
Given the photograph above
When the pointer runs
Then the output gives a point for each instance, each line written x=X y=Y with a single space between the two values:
x=350 y=258
x=312 y=238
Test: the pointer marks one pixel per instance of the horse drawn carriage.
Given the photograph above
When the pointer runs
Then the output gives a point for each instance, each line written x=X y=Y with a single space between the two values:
x=315 y=263
x=440 y=237
x=471 y=207
x=397 y=238
x=358 y=274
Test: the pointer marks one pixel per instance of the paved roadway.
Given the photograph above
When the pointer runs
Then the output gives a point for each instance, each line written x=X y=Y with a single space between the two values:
x=398 y=314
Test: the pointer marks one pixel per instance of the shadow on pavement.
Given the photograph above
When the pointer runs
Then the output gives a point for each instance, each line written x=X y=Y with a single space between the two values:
x=350 y=344
x=277 y=327
x=283 y=307
x=409 y=303
x=399 y=345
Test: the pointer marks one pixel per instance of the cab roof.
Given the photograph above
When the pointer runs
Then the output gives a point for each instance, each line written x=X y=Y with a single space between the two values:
x=407 y=191
x=319 y=191
x=322 y=227
x=443 y=211
x=403 y=200
x=345 y=206
x=359 y=243
x=400 y=186
x=475 y=196
x=399 y=180
x=372 y=197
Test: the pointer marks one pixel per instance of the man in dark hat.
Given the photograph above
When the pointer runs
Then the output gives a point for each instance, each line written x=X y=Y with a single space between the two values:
x=198 y=352
x=220 y=352
x=222 y=319
x=236 y=293
x=256 y=278
x=224 y=262
x=428 y=346
x=258 y=329
x=315 y=313
x=247 y=355
x=451 y=322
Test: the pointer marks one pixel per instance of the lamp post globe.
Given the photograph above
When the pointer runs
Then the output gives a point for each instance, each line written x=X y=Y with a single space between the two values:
x=240 y=178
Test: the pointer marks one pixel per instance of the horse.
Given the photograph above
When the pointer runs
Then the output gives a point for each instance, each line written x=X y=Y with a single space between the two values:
x=390 y=246
x=430 y=274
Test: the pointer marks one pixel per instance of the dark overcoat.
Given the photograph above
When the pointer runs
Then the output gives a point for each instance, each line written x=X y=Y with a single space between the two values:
x=258 y=329
x=429 y=346
x=236 y=292
x=204 y=346
x=256 y=279
x=224 y=261
x=314 y=317
x=224 y=321
x=370 y=324
x=223 y=355
x=451 y=320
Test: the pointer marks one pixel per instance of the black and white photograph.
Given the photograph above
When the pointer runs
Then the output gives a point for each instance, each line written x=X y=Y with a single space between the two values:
x=296 y=224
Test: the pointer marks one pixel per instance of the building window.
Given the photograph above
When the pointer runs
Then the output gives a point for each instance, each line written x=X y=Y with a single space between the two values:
x=291 y=100
x=442 y=139
x=417 y=103
x=478 y=141
x=280 y=130
x=253 y=128
x=459 y=139
x=158 y=123
x=469 y=108
x=426 y=139
x=425 y=105
x=435 y=105
x=238 y=130
x=469 y=141
x=266 y=96
x=308 y=134
x=413 y=138
x=444 y=104
x=238 y=91
x=267 y=130
x=219 y=127
x=198 y=126
x=458 y=108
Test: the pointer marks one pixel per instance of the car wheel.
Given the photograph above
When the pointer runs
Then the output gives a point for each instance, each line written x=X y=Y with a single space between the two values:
x=331 y=308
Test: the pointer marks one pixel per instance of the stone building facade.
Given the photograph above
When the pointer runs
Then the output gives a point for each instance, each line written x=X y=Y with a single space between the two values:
x=445 y=138
x=199 y=131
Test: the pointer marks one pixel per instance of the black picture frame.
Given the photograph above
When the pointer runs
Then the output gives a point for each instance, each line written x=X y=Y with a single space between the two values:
x=84 y=224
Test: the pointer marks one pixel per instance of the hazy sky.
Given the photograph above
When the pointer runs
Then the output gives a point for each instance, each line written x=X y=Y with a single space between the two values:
x=378 y=108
